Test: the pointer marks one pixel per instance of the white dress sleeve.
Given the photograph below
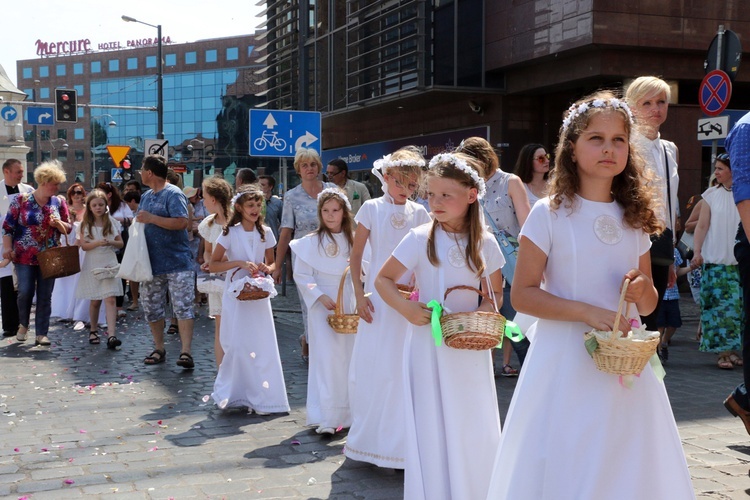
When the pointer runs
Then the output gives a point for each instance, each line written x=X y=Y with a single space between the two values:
x=537 y=226
x=494 y=259
x=364 y=215
x=270 y=238
x=407 y=252
x=305 y=281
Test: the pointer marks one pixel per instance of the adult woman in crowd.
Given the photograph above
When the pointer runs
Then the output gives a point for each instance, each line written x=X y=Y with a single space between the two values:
x=648 y=98
x=532 y=167
x=120 y=211
x=507 y=204
x=721 y=292
x=35 y=221
x=64 y=294
x=299 y=215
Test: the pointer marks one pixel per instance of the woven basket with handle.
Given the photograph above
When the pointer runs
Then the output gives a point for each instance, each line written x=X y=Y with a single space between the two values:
x=619 y=355
x=405 y=290
x=340 y=322
x=59 y=261
x=250 y=292
x=475 y=330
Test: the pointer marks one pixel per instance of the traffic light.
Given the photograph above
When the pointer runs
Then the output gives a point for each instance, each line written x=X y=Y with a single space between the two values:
x=66 y=105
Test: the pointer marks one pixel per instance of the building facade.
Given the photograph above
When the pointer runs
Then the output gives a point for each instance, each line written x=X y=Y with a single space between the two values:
x=208 y=87
x=382 y=71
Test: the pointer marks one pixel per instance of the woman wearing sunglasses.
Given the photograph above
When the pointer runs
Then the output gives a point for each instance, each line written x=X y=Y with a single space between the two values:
x=532 y=167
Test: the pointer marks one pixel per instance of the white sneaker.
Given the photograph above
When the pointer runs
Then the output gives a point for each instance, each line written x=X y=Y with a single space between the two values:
x=21 y=335
x=326 y=430
x=261 y=413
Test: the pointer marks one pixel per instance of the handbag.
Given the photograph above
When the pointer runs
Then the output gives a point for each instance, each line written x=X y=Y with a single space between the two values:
x=105 y=273
x=59 y=261
x=136 y=265
x=662 y=245
x=210 y=283
x=685 y=246
x=508 y=246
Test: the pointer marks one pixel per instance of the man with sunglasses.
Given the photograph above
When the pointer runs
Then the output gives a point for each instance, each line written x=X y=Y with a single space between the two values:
x=10 y=187
x=337 y=171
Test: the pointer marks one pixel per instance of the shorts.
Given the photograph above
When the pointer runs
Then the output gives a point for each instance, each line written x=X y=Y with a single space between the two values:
x=181 y=287
x=669 y=314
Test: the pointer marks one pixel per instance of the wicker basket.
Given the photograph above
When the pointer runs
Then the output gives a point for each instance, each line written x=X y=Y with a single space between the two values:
x=405 y=290
x=475 y=330
x=618 y=355
x=340 y=322
x=59 y=261
x=250 y=292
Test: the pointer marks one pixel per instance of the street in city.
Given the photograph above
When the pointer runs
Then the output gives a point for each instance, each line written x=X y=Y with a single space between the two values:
x=81 y=420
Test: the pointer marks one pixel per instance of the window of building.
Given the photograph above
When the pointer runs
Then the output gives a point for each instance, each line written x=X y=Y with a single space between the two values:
x=79 y=154
x=45 y=155
x=44 y=134
x=233 y=53
x=114 y=65
x=60 y=70
x=190 y=57
x=62 y=133
x=132 y=63
x=150 y=61
x=211 y=55
x=79 y=89
x=27 y=73
x=96 y=66
x=62 y=154
x=77 y=68
x=250 y=49
x=171 y=60
x=44 y=93
x=78 y=134
x=80 y=113
x=43 y=71
x=28 y=135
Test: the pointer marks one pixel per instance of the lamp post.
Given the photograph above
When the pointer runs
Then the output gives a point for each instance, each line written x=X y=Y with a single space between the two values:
x=53 y=141
x=111 y=124
x=159 y=77
x=203 y=151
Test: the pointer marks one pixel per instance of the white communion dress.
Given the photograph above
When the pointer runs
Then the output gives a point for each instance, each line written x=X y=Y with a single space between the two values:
x=452 y=417
x=572 y=431
x=318 y=267
x=64 y=293
x=90 y=287
x=250 y=374
x=376 y=384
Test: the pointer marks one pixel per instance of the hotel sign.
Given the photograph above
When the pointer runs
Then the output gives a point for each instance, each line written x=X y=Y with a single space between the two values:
x=84 y=46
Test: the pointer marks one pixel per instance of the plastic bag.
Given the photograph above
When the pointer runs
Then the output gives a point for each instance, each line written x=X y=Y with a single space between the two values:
x=135 y=265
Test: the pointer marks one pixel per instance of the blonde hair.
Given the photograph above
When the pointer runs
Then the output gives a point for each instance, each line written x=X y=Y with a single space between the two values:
x=347 y=221
x=49 y=172
x=307 y=154
x=247 y=192
x=88 y=216
x=406 y=154
x=645 y=86
x=220 y=189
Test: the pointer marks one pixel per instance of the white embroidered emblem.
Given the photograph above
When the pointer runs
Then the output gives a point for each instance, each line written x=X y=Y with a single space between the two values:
x=398 y=220
x=332 y=249
x=456 y=256
x=607 y=229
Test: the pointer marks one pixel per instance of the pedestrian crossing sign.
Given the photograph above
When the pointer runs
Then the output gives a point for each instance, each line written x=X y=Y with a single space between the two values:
x=116 y=175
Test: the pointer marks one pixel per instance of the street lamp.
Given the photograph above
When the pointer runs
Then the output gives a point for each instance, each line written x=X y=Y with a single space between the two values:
x=203 y=152
x=53 y=141
x=112 y=124
x=159 y=78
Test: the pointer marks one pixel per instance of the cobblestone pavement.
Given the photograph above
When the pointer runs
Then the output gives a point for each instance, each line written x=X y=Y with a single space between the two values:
x=81 y=420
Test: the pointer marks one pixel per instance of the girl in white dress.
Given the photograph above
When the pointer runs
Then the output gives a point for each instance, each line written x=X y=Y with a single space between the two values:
x=453 y=423
x=99 y=237
x=320 y=258
x=376 y=390
x=250 y=374
x=573 y=431
x=217 y=194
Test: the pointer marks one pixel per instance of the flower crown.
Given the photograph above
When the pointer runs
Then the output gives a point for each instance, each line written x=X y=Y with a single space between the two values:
x=236 y=197
x=386 y=162
x=577 y=110
x=338 y=193
x=464 y=167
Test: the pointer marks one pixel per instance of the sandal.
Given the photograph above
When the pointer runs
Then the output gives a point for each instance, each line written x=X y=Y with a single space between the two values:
x=305 y=352
x=42 y=340
x=186 y=361
x=724 y=363
x=152 y=358
x=736 y=360
x=113 y=342
x=173 y=329
x=94 y=337
x=508 y=371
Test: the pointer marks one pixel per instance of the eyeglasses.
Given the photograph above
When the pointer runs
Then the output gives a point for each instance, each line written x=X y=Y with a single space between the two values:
x=542 y=158
x=331 y=175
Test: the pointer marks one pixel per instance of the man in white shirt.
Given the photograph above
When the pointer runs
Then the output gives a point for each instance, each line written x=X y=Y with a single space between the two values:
x=337 y=171
x=11 y=186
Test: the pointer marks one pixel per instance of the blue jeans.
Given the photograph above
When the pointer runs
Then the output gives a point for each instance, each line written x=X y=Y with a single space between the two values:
x=29 y=281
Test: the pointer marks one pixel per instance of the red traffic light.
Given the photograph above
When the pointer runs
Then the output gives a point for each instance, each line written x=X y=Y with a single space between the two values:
x=65 y=97
x=125 y=163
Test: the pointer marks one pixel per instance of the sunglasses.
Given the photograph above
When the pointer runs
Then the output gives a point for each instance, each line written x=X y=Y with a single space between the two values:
x=79 y=192
x=542 y=158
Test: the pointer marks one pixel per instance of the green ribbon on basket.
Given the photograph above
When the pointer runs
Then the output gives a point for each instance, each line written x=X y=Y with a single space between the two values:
x=512 y=331
x=437 y=312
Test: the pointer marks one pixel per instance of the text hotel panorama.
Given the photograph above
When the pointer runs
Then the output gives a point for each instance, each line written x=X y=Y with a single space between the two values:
x=83 y=46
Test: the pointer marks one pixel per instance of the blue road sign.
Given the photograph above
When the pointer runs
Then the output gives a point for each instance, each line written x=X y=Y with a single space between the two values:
x=116 y=175
x=41 y=116
x=8 y=113
x=281 y=133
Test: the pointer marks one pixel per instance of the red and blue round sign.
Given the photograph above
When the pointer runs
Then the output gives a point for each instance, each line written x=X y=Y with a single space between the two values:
x=715 y=92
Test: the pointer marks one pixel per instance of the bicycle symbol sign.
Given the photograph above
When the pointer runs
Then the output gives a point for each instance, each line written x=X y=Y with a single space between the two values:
x=282 y=133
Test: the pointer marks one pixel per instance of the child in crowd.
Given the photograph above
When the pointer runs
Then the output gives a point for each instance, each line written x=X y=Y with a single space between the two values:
x=132 y=199
x=573 y=431
x=250 y=373
x=376 y=391
x=100 y=237
x=320 y=259
x=669 y=320
x=217 y=195
x=452 y=423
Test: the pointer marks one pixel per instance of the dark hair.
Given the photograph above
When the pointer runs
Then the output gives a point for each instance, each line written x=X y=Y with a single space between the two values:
x=115 y=200
x=156 y=164
x=340 y=164
x=247 y=193
x=724 y=158
x=482 y=150
x=245 y=176
x=135 y=183
x=525 y=163
x=270 y=180
x=69 y=192
x=10 y=162
x=132 y=196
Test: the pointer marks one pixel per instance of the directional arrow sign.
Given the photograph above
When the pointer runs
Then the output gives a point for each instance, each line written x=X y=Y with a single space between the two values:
x=269 y=122
x=283 y=133
x=8 y=113
x=41 y=116
x=305 y=141
x=117 y=153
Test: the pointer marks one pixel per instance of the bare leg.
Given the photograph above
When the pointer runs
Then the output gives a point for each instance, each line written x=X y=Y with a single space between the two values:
x=186 y=333
x=134 y=292
x=110 y=309
x=157 y=331
x=218 y=351
x=94 y=307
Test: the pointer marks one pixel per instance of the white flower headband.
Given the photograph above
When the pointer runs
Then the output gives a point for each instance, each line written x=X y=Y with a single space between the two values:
x=336 y=192
x=386 y=162
x=577 y=110
x=464 y=167
x=236 y=197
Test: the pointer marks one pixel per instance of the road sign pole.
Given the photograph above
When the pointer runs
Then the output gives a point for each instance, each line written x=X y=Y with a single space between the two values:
x=719 y=51
x=284 y=189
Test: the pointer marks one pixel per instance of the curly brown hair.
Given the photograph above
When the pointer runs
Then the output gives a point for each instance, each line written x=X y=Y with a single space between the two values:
x=630 y=188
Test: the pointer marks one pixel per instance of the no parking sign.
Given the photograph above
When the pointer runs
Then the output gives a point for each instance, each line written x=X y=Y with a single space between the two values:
x=715 y=92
